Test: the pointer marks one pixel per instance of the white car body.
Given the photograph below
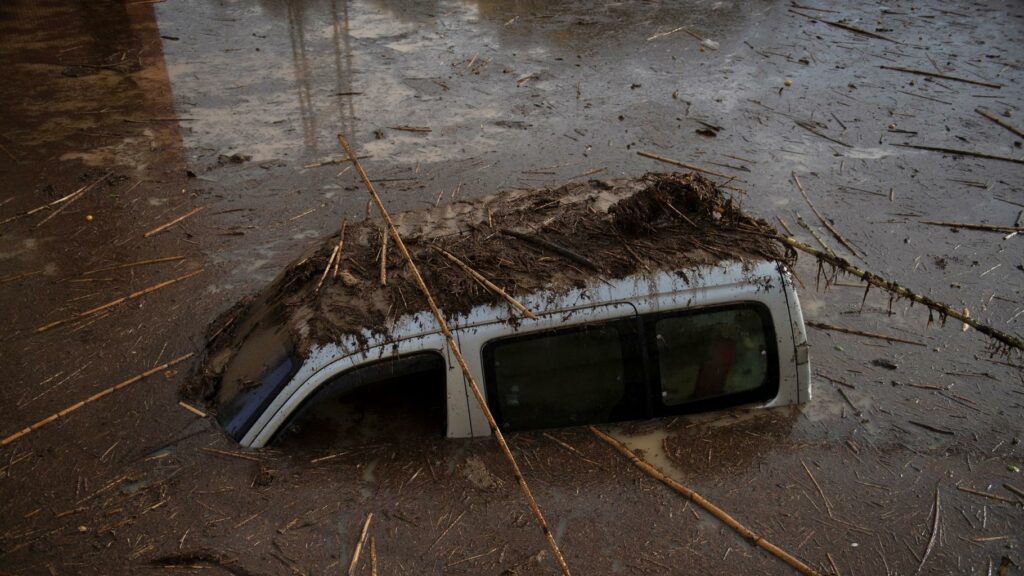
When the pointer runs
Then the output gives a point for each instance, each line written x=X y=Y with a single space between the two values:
x=765 y=283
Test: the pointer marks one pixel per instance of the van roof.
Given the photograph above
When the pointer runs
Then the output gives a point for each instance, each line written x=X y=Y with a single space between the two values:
x=526 y=241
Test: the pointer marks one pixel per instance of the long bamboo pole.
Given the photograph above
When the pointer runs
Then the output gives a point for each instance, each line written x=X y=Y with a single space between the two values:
x=121 y=300
x=715 y=511
x=454 y=346
x=876 y=280
x=53 y=417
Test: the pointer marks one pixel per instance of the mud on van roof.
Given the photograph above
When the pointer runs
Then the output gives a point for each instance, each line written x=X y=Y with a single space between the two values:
x=525 y=241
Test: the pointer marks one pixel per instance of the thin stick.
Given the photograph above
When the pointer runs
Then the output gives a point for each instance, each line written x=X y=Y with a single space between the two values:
x=823 y=326
x=489 y=285
x=341 y=247
x=163 y=227
x=943 y=76
x=823 y=220
x=699 y=500
x=986 y=494
x=847 y=27
x=78 y=194
x=383 y=256
x=663 y=34
x=134 y=264
x=454 y=346
x=373 y=556
x=331 y=161
x=874 y=279
x=411 y=128
x=982 y=227
x=784 y=225
x=93 y=398
x=231 y=454
x=812 y=232
x=112 y=303
x=962 y=153
x=935 y=533
x=828 y=504
x=14 y=277
x=578 y=258
x=807 y=126
x=192 y=409
x=446 y=530
x=1000 y=121
x=681 y=164
x=330 y=261
x=1014 y=489
x=359 y=545
x=64 y=198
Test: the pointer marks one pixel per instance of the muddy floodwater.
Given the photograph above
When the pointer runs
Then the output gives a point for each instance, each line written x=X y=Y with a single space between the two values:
x=159 y=161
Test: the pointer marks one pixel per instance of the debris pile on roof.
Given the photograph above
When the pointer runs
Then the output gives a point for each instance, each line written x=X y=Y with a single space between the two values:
x=524 y=241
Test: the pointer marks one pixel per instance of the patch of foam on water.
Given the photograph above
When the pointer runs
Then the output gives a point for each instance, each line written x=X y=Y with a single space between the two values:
x=653 y=451
x=868 y=153
x=368 y=472
x=376 y=25
x=811 y=305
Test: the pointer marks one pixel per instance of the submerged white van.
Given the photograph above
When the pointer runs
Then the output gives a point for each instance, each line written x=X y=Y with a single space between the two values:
x=647 y=345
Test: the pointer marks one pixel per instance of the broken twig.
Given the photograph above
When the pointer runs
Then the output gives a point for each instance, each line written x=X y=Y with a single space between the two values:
x=847 y=27
x=383 y=256
x=956 y=152
x=943 y=76
x=682 y=164
x=982 y=227
x=935 y=533
x=823 y=326
x=1000 y=121
x=823 y=220
x=134 y=264
x=330 y=261
x=359 y=545
x=163 y=227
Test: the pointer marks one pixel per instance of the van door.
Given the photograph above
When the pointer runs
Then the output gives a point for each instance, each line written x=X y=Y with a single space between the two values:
x=578 y=366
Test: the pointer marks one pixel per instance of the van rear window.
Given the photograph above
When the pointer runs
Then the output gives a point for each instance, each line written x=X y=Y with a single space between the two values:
x=711 y=354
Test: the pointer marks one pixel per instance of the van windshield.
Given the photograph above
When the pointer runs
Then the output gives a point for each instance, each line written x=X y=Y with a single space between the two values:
x=258 y=371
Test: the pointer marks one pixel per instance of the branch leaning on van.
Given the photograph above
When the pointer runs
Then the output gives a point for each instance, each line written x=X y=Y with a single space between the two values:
x=1008 y=340
x=699 y=500
x=458 y=356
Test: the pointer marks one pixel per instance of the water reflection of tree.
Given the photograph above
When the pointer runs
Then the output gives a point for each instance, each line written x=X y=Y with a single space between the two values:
x=305 y=20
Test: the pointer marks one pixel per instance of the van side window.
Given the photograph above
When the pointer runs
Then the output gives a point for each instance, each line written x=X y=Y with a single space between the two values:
x=583 y=375
x=713 y=354
x=394 y=400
